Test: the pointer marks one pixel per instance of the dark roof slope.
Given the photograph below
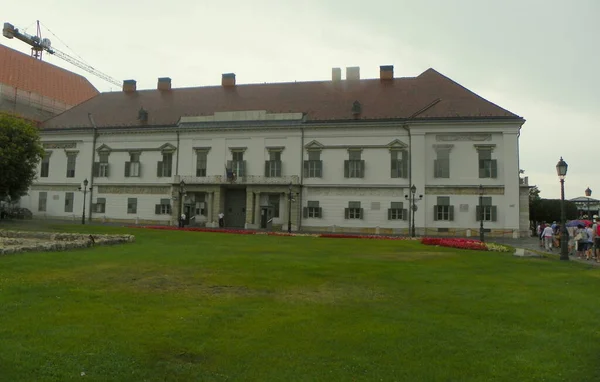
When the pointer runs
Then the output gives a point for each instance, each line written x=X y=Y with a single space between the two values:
x=399 y=98
x=27 y=73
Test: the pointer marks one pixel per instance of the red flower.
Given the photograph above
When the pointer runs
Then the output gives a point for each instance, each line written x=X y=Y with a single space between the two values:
x=455 y=243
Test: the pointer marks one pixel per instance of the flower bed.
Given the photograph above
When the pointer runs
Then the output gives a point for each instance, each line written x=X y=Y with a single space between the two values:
x=464 y=244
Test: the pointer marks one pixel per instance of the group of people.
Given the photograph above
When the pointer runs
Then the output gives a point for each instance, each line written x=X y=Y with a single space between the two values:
x=183 y=217
x=584 y=239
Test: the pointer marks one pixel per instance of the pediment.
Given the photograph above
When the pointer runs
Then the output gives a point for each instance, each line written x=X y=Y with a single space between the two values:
x=396 y=144
x=314 y=145
x=167 y=147
x=104 y=149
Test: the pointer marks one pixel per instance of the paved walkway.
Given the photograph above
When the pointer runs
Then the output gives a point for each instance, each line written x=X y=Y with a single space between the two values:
x=533 y=244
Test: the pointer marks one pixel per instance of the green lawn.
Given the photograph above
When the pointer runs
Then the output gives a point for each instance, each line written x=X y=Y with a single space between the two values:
x=186 y=306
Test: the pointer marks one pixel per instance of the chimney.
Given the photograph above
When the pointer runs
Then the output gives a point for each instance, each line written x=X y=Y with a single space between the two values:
x=164 y=83
x=228 y=79
x=353 y=73
x=129 y=86
x=336 y=74
x=386 y=72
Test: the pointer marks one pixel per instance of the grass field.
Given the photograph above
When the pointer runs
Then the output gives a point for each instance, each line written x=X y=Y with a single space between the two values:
x=186 y=306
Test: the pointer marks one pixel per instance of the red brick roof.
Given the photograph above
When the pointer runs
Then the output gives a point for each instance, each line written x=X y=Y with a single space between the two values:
x=29 y=74
x=427 y=96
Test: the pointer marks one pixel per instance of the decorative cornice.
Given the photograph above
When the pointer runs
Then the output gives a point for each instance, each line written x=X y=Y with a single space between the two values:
x=237 y=149
x=463 y=137
x=60 y=145
x=135 y=190
x=201 y=149
x=479 y=147
x=440 y=147
x=463 y=190
x=275 y=148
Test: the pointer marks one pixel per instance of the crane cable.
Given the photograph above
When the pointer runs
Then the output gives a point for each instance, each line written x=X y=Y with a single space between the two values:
x=65 y=44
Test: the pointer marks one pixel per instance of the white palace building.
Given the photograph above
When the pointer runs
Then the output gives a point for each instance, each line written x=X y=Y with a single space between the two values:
x=345 y=151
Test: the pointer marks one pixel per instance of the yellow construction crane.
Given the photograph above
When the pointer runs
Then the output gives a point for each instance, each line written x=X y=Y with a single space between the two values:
x=40 y=45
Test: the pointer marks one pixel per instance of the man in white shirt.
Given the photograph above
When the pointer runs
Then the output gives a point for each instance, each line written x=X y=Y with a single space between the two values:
x=221 y=219
x=547 y=235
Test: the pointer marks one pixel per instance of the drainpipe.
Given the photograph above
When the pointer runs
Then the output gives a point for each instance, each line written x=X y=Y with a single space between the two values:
x=301 y=177
x=405 y=127
x=178 y=177
x=95 y=137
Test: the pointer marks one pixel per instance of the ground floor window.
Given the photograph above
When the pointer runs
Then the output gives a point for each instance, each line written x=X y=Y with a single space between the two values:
x=164 y=208
x=353 y=211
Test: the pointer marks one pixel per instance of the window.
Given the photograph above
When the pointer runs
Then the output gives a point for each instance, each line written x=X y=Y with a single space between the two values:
x=274 y=201
x=237 y=165
x=312 y=210
x=273 y=165
x=164 y=208
x=43 y=197
x=443 y=210
x=486 y=210
x=132 y=168
x=45 y=169
x=101 y=167
x=313 y=167
x=488 y=167
x=132 y=205
x=100 y=206
x=69 y=197
x=399 y=163
x=441 y=165
x=353 y=211
x=354 y=167
x=71 y=161
x=201 y=161
x=164 y=168
x=397 y=212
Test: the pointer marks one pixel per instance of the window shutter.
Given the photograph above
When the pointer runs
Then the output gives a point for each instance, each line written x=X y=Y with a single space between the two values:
x=435 y=214
x=362 y=213
x=94 y=207
x=127 y=169
x=305 y=212
x=157 y=209
x=96 y=169
x=139 y=169
x=389 y=214
x=320 y=168
x=404 y=164
x=405 y=214
x=346 y=170
x=494 y=213
x=242 y=168
x=394 y=173
x=477 y=213
x=306 y=169
x=481 y=168
x=159 y=169
x=451 y=213
x=279 y=165
x=494 y=168
x=362 y=169
x=320 y=212
x=107 y=170
x=346 y=213
x=267 y=168
x=436 y=168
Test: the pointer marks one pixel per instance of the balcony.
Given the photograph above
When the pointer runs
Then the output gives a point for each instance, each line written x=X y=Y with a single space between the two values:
x=242 y=180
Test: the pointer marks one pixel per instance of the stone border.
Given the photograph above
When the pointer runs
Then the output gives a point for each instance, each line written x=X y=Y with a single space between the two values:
x=60 y=241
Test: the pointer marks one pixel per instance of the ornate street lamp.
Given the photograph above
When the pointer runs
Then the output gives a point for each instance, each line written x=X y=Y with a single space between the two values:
x=561 y=170
x=413 y=204
x=290 y=208
x=85 y=190
x=481 y=214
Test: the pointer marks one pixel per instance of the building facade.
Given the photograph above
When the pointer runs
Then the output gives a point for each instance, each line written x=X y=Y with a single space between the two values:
x=336 y=156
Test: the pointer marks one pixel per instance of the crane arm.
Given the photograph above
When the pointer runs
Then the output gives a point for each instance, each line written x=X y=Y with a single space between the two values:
x=84 y=66
x=9 y=31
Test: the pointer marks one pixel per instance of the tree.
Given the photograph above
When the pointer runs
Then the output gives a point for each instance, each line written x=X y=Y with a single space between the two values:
x=548 y=210
x=20 y=153
x=534 y=194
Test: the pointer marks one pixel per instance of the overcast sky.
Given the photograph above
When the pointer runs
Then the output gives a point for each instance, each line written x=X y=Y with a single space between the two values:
x=536 y=58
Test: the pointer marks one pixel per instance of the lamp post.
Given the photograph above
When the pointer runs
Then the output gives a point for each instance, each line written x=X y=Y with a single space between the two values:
x=290 y=208
x=588 y=193
x=413 y=205
x=181 y=193
x=561 y=170
x=85 y=189
x=481 y=214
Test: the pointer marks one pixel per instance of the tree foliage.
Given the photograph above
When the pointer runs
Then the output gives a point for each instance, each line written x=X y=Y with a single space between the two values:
x=548 y=210
x=20 y=153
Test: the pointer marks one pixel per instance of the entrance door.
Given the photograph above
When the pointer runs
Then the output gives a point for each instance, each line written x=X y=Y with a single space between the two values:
x=235 y=208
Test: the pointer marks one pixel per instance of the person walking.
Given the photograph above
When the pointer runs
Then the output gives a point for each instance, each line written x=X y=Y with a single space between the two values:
x=182 y=220
x=581 y=240
x=548 y=235
x=221 y=219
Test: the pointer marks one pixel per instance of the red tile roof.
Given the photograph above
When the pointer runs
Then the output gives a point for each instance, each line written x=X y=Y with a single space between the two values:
x=27 y=73
x=427 y=96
